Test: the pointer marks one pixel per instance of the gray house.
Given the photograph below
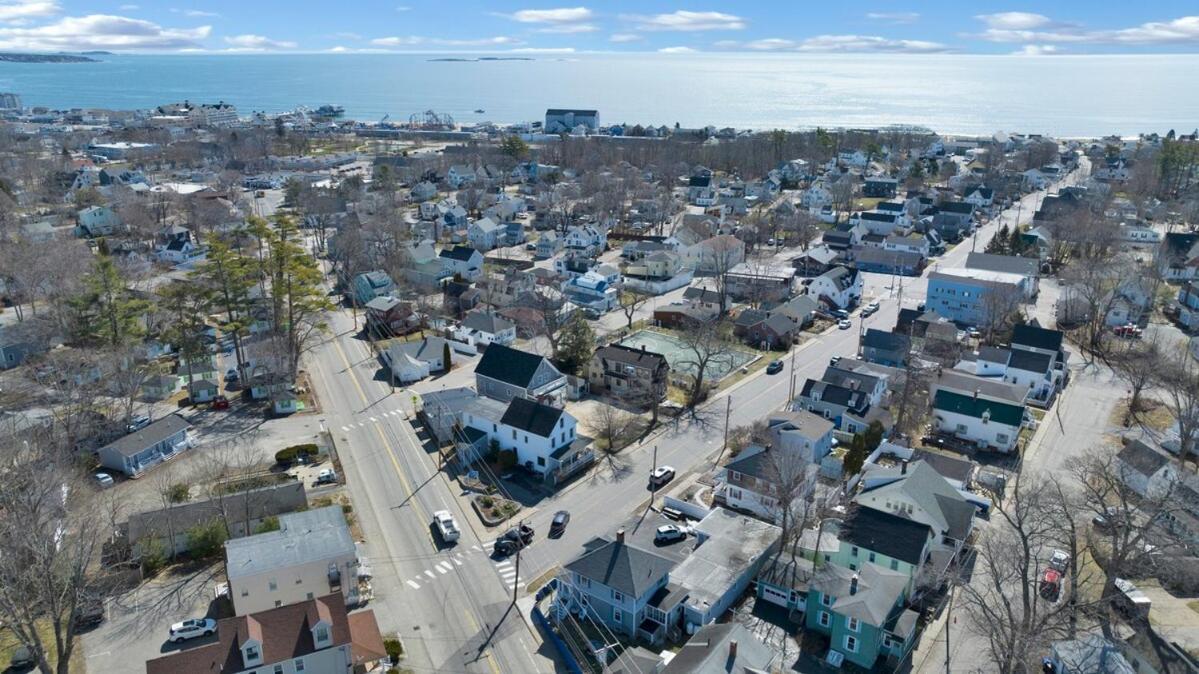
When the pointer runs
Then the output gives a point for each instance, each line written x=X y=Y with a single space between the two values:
x=885 y=348
x=504 y=373
x=139 y=451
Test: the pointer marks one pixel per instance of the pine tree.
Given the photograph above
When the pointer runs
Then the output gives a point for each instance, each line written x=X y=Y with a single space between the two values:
x=107 y=312
x=575 y=344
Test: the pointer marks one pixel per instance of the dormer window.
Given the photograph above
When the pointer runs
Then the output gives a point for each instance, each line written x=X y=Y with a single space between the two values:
x=321 y=636
x=251 y=653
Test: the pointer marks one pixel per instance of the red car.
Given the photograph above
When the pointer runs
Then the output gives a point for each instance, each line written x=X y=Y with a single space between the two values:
x=1128 y=331
x=220 y=403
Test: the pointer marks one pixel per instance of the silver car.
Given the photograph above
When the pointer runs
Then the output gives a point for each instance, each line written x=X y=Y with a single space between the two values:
x=192 y=628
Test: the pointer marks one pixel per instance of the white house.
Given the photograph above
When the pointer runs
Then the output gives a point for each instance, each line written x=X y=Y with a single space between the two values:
x=484 y=327
x=484 y=233
x=462 y=261
x=981 y=196
x=717 y=254
x=984 y=422
x=1035 y=179
x=460 y=175
x=413 y=361
x=542 y=436
x=1147 y=471
x=592 y=291
x=919 y=493
x=588 y=240
x=840 y=286
x=816 y=196
x=97 y=221
x=178 y=250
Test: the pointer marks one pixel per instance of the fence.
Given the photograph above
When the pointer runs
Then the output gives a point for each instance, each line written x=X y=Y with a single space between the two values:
x=568 y=658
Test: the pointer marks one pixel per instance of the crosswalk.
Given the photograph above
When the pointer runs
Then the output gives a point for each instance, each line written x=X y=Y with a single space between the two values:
x=506 y=568
x=371 y=420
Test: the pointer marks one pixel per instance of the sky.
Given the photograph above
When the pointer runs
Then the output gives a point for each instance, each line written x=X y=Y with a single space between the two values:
x=890 y=27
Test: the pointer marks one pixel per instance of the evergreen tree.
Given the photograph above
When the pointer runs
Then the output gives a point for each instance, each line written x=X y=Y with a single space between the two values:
x=575 y=344
x=107 y=312
x=855 y=457
x=188 y=305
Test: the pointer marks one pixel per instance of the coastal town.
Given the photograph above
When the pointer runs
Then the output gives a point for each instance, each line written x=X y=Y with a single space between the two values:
x=301 y=393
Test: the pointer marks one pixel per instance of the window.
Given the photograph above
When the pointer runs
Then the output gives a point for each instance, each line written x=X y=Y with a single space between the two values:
x=872 y=557
x=278 y=669
x=617 y=615
x=853 y=551
x=322 y=634
x=616 y=596
x=273 y=585
x=541 y=461
x=823 y=619
x=1001 y=437
x=826 y=600
x=853 y=567
x=887 y=643
x=894 y=565
x=851 y=644
x=853 y=624
x=734 y=476
x=513 y=433
x=309 y=597
x=299 y=664
x=251 y=653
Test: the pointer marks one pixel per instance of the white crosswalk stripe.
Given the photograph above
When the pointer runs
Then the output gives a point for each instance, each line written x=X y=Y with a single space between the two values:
x=373 y=420
x=345 y=428
x=430 y=574
x=458 y=561
x=444 y=567
x=414 y=584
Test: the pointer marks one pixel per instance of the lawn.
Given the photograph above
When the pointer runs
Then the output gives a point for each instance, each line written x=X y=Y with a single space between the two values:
x=9 y=644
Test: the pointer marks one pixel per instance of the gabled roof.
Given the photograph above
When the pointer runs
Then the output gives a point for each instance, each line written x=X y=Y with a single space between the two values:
x=459 y=253
x=622 y=567
x=841 y=276
x=886 y=534
x=486 y=321
x=708 y=652
x=1142 y=458
x=878 y=591
x=511 y=366
x=1030 y=361
x=532 y=417
x=619 y=353
x=885 y=341
x=959 y=207
x=835 y=395
x=1011 y=264
x=943 y=504
x=1001 y=413
x=149 y=436
x=1037 y=338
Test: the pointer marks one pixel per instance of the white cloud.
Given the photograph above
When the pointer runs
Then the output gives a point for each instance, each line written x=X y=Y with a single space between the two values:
x=676 y=50
x=258 y=42
x=569 y=28
x=1014 y=20
x=1036 y=50
x=338 y=50
x=129 y=8
x=869 y=43
x=418 y=40
x=893 y=17
x=684 y=20
x=101 y=32
x=543 y=50
x=1177 y=31
x=22 y=10
x=624 y=37
x=195 y=13
x=771 y=44
x=559 y=15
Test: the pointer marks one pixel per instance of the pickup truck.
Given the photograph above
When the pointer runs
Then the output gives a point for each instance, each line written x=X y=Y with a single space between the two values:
x=446 y=526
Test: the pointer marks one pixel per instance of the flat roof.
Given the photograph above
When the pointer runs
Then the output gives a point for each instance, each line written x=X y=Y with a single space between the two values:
x=979 y=275
x=302 y=537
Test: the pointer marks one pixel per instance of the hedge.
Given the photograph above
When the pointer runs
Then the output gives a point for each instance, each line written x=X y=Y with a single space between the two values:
x=290 y=454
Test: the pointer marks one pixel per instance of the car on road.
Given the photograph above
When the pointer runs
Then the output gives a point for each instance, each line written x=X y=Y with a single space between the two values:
x=447 y=526
x=220 y=403
x=137 y=423
x=1060 y=561
x=844 y=324
x=868 y=311
x=841 y=313
x=558 y=524
x=873 y=306
x=103 y=480
x=669 y=533
x=834 y=360
x=775 y=367
x=232 y=377
x=661 y=475
x=192 y=628
x=513 y=539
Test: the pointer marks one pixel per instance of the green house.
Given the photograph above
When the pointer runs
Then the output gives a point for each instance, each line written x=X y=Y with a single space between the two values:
x=869 y=536
x=862 y=613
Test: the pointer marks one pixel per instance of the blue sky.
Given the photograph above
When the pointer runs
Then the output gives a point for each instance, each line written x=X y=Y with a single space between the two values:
x=1063 y=27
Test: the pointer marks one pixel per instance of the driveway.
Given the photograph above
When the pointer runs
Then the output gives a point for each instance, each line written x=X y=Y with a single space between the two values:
x=136 y=623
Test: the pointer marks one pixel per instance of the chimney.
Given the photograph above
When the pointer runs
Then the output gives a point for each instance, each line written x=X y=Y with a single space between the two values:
x=976 y=394
x=903 y=467
x=733 y=649
x=853 y=585
x=642 y=348
x=620 y=535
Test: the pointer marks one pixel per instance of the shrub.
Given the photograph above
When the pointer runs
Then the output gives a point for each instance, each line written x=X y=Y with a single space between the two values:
x=207 y=539
x=394 y=649
x=507 y=459
x=178 y=492
x=486 y=501
x=290 y=454
x=270 y=523
x=154 y=555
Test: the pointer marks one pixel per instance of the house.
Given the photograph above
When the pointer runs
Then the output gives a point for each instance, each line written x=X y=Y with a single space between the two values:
x=636 y=376
x=701 y=191
x=1188 y=305
x=592 y=291
x=441 y=410
x=1178 y=256
x=315 y=636
x=203 y=391
x=759 y=283
x=504 y=373
x=485 y=234
x=160 y=386
x=767 y=330
x=463 y=262
x=1032 y=374
x=814 y=261
x=369 y=285
x=715 y=255
x=870 y=536
x=862 y=613
x=881 y=223
x=879 y=260
x=96 y=221
x=839 y=287
x=975 y=297
x=885 y=348
x=1027 y=267
x=544 y=438
x=880 y=187
x=706 y=299
x=413 y=361
x=311 y=554
x=910 y=243
x=920 y=494
x=721 y=648
x=460 y=175
x=846 y=408
x=586 y=240
x=563 y=120
x=422 y=191
x=484 y=327
x=1146 y=470
x=391 y=316
x=242 y=513
x=657 y=273
x=548 y=245
x=729 y=552
x=141 y=450
x=751 y=482
x=986 y=423
x=856 y=375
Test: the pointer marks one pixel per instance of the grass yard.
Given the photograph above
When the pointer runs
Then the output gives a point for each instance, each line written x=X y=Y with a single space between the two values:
x=9 y=644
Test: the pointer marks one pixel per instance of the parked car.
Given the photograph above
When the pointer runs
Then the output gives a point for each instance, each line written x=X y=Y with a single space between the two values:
x=661 y=475
x=841 y=313
x=232 y=377
x=868 y=310
x=513 y=539
x=834 y=360
x=1060 y=561
x=447 y=526
x=1128 y=331
x=873 y=306
x=139 y=422
x=220 y=403
x=103 y=480
x=1051 y=584
x=88 y=614
x=326 y=476
x=844 y=324
x=668 y=533
x=192 y=628
x=21 y=658
x=973 y=333
x=558 y=524
x=775 y=367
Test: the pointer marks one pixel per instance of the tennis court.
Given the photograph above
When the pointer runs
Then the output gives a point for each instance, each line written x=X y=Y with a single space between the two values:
x=678 y=355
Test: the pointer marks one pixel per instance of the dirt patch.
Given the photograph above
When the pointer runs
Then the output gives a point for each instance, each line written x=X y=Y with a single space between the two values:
x=494 y=510
x=1151 y=414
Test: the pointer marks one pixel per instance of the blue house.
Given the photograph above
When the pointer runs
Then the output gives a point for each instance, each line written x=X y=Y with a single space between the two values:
x=141 y=450
x=974 y=296
x=369 y=285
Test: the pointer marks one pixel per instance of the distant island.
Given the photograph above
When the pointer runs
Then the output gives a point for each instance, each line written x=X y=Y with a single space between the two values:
x=482 y=58
x=45 y=58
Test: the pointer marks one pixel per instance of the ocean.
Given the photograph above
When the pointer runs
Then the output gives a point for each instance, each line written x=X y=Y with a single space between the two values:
x=1069 y=96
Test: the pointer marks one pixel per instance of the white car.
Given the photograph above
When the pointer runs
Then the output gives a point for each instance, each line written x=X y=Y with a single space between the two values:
x=668 y=533
x=844 y=324
x=446 y=525
x=326 y=476
x=873 y=306
x=192 y=628
x=104 y=480
x=661 y=475
x=1060 y=561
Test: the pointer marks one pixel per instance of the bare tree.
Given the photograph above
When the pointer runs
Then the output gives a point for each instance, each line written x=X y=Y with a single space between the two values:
x=631 y=302
x=1178 y=379
x=705 y=347
x=613 y=428
x=1137 y=365
x=131 y=372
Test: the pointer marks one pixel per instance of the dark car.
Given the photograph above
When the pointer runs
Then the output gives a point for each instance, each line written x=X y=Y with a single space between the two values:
x=834 y=360
x=514 y=539
x=558 y=525
x=775 y=367
x=89 y=614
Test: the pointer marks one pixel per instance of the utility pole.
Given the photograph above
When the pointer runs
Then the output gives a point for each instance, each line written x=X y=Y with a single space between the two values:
x=520 y=546
x=728 y=410
x=653 y=484
x=948 y=622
